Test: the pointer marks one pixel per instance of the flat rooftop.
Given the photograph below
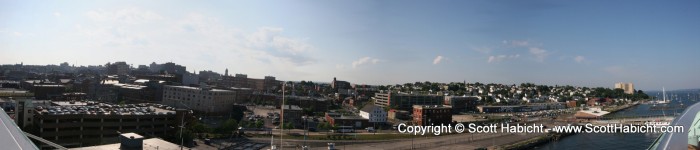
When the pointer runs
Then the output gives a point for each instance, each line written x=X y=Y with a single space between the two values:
x=148 y=144
x=197 y=88
x=97 y=108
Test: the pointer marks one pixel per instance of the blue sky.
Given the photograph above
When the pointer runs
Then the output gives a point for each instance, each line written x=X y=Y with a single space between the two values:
x=583 y=43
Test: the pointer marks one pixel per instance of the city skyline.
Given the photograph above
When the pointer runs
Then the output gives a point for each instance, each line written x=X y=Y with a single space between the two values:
x=592 y=44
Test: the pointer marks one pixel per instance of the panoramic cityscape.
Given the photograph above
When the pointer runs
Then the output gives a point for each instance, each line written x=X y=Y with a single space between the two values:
x=394 y=75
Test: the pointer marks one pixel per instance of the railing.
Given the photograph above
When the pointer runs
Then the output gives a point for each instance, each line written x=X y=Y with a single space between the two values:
x=45 y=141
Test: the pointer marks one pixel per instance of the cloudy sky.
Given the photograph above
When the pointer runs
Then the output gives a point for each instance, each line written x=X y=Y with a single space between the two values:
x=589 y=43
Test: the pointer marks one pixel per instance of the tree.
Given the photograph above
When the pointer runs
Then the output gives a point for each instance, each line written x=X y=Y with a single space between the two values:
x=187 y=137
x=229 y=126
x=321 y=126
x=200 y=128
x=259 y=124
x=288 y=125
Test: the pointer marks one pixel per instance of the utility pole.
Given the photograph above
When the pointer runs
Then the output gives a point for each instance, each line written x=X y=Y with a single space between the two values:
x=282 y=116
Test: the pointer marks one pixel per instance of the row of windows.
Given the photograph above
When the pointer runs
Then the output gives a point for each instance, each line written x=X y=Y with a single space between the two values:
x=201 y=92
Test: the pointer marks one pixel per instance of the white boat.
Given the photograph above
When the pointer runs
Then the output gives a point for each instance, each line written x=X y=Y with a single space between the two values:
x=658 y=123
x=665 y=101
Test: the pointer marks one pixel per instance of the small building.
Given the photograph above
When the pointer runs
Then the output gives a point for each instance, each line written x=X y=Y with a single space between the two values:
x=398 y=114
x=374 y=114
x=432 y=114
x=571 y=104
x=336 y=119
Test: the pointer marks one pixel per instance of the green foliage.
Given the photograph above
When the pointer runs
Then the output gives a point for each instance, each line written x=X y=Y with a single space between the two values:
x=321 y=126
x=200 y=128
x=259 y=124
x=187 y=135
x=288 y=125
x=228 y=126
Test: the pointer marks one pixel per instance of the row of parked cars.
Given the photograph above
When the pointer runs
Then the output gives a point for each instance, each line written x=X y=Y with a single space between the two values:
x=105 y=109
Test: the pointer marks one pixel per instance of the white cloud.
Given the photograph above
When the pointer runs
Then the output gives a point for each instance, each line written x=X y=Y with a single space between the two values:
x=364 y=60
x=437 y=60
x=499 y=58
x=195 y=40
x=579 y=59
x=267 y=37
x=128 y=16
x=540 y=54
x=57 y=14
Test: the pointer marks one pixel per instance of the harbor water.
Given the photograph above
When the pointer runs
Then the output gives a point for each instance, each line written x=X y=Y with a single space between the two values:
x=626 y=141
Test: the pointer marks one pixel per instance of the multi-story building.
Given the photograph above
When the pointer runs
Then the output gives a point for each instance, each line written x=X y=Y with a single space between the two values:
x=374 y=114
x=208 y=75
x=132 y=93
x=203 y=99
x=239 y=80
x=270 y=83
x=43 y=90
x=462 y=103
x=627 y=87
x=118 y=68
x=403 y=101
x=432 y=115
x=77 y=124
x=190 y=79
x=292 y=114
x=172 y=68
x=242 y=81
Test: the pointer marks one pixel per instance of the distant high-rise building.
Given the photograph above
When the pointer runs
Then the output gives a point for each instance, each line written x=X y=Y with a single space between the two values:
x=173 y=68
x=118 y=68
x=627 y=87
x=226 y=73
